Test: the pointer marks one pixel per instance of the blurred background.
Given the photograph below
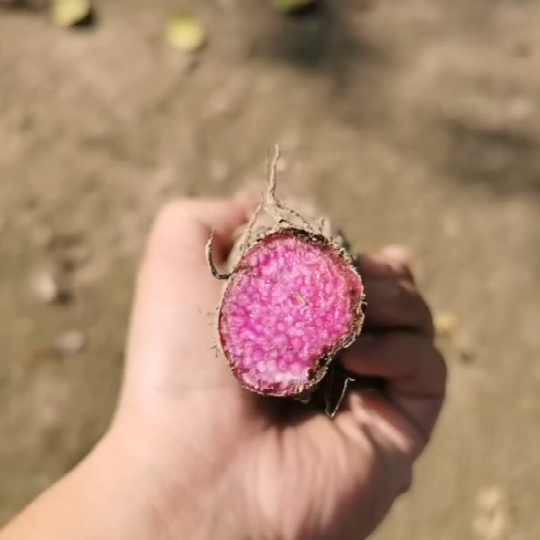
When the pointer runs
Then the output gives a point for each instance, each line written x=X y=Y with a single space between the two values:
x=413 y=121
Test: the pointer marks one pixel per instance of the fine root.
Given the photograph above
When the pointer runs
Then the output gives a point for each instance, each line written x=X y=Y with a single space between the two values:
x=274 y=208
x=331 y=408
x=210 y=260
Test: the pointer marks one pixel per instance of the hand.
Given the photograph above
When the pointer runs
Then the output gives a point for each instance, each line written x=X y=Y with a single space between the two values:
x=191 y=454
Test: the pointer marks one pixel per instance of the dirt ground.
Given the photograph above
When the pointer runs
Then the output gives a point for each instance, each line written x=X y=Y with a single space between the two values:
x=414 y=121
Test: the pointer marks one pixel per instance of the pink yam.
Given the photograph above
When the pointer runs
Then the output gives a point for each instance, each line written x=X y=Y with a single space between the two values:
x=294 y=301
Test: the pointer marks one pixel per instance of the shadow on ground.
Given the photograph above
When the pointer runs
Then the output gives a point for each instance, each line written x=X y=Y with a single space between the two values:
x=327 y=44
x=503 y=162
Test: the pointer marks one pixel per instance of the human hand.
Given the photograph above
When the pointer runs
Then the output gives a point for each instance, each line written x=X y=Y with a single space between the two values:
x=192 y=454
x=314 y=478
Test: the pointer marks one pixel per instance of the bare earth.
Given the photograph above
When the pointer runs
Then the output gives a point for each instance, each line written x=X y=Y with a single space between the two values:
x=414 y=121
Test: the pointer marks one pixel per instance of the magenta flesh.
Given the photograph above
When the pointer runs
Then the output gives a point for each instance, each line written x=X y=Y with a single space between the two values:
x=292 y=304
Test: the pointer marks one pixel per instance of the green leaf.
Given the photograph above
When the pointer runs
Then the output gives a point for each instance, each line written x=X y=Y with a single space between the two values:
x=68 y=13
x=186 y=33
x=289 y=6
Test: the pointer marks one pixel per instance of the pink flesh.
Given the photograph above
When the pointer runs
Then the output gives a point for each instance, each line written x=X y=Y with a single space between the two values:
x=292 y=303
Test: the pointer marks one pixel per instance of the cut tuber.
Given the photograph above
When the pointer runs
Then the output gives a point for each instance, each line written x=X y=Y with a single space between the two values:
x=292 y=300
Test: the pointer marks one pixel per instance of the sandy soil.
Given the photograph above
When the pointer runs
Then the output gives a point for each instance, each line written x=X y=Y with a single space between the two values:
x=414 y=121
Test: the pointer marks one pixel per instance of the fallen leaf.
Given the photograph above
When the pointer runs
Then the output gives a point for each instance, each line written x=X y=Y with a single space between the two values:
x=68 y=13
x=290 y=6
x=186 y=33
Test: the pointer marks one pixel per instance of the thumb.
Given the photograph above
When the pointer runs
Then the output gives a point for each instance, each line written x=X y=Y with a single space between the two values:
x=171 y=332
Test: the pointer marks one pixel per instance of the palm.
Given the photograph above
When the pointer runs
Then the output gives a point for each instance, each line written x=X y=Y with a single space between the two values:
x=306 y=485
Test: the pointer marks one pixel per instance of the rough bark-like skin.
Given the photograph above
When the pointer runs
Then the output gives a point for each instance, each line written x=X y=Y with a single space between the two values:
x=292 y=303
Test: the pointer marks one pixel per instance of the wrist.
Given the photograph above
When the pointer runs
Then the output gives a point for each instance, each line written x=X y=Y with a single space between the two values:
x=111 y=496
x=166 y=494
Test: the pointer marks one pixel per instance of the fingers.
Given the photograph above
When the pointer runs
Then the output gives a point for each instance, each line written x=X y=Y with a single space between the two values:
x=393 y=429
x=414 y=370
x=394 y=304
x=397 y=346
x=409 y=361
x=392 y=299
x=175 y=271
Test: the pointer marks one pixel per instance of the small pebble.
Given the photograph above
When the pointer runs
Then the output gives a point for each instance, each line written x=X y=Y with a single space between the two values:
x=466 y=350
x=70 y=343
x=492 y=516
x=445 y=324
x=466 y=356
x=45 y=286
